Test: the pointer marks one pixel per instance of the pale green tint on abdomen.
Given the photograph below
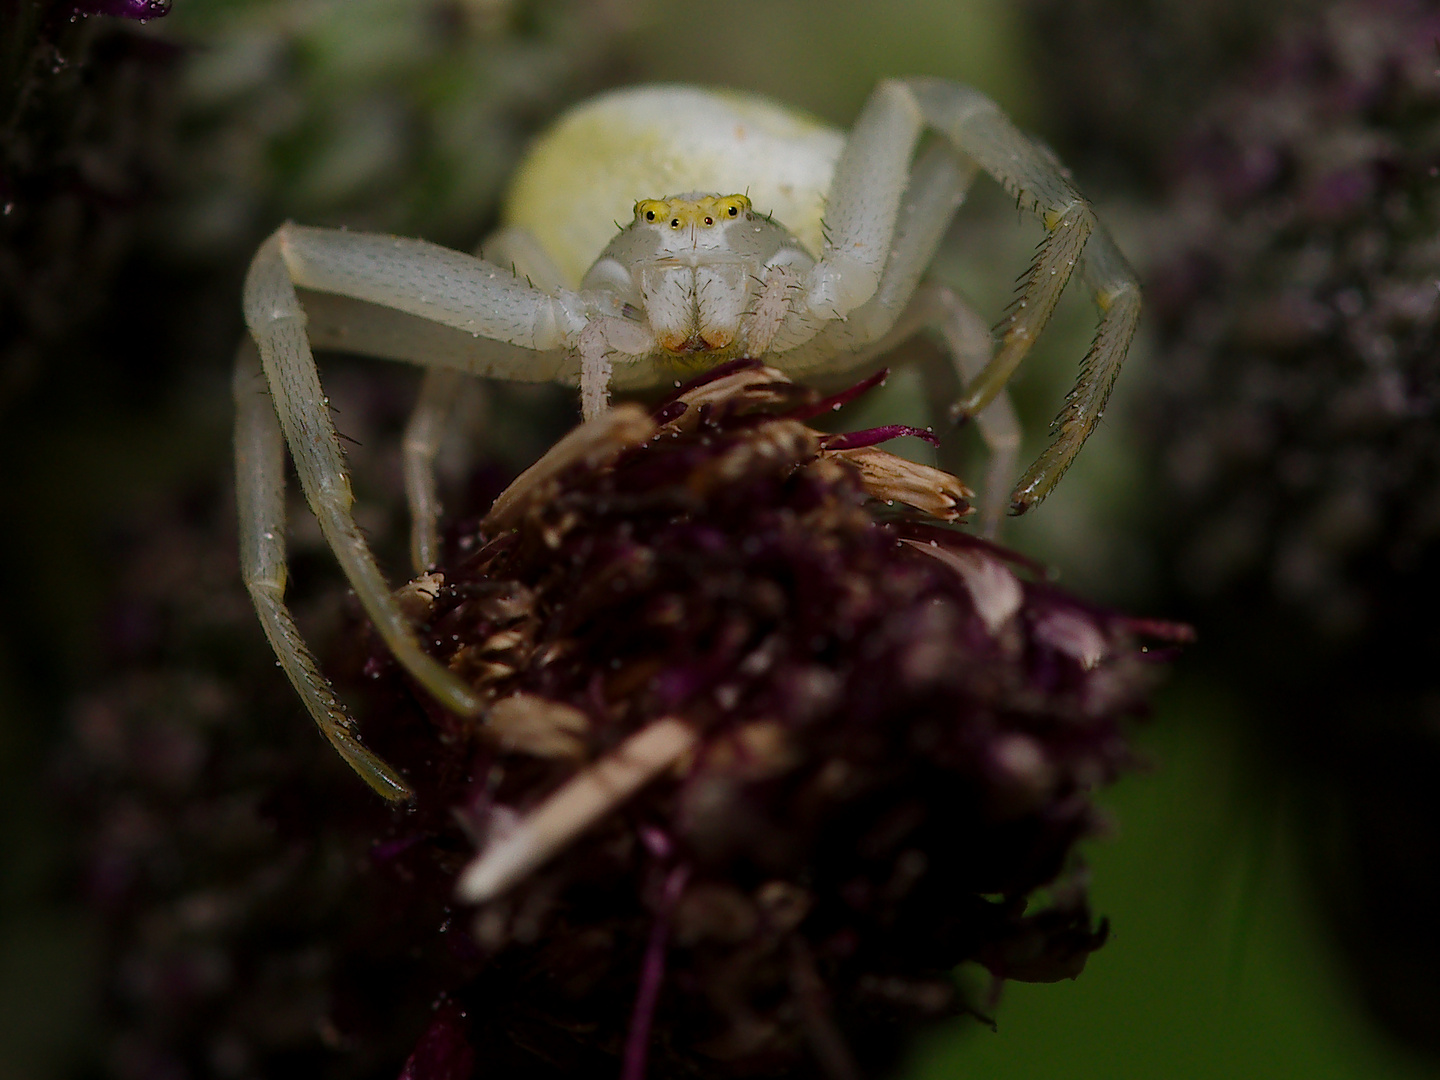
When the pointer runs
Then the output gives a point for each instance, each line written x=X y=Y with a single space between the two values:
x=584 y=175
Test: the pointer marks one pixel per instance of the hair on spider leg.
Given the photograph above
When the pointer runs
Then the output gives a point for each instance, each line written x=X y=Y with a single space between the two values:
x=1009 y=316
x=1012 y=314
x=1037 y=253
x=1020 y=297
x=1029 y=274
x=1020 y=208
x=1087 y=365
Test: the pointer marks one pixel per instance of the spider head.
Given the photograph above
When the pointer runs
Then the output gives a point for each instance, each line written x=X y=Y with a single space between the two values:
x=695 y=291
x=690 y=263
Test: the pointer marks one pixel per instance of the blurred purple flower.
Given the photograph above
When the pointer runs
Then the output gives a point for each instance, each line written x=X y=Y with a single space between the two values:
x=140 y=10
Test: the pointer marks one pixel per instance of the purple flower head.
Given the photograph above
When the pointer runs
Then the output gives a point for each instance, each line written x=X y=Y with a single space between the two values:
x=770 y=747
x=768 y=751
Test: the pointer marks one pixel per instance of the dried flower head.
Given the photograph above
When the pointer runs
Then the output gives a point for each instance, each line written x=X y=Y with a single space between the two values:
x=765 y=759
x=754 y=735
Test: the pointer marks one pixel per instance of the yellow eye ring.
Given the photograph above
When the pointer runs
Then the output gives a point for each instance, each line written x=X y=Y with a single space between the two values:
x=650 y=209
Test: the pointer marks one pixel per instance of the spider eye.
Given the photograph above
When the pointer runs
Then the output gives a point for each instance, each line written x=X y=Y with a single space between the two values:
x=709 y=221
x=736 y=206
x=649 y=215
x=674 y=223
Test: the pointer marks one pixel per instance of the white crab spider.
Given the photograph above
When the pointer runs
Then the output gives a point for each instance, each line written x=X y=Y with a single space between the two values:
x=693 y=279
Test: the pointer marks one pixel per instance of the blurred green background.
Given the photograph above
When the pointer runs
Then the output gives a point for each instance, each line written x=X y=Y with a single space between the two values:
x=1220 y=964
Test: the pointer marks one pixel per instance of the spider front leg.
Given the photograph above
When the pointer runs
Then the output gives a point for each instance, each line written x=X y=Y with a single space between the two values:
x=864 y=214
x=260 y=489
x=970 y=346
x=277 y=322
x=903 y=306
x=977 y=128
x=384 y=277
